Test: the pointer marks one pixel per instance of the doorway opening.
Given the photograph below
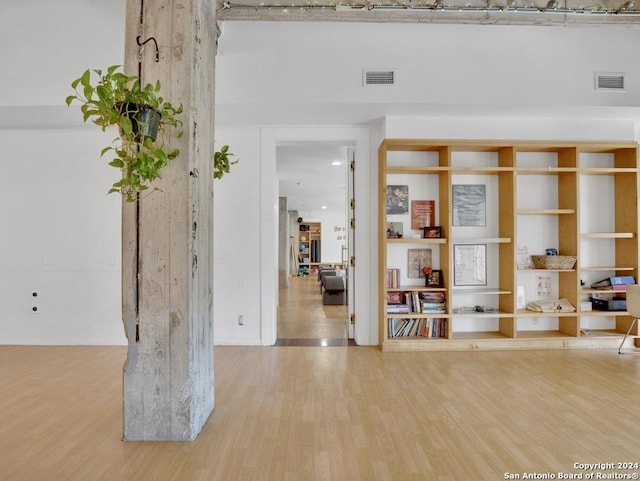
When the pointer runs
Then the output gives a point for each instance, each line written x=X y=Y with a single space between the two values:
x=315 y=185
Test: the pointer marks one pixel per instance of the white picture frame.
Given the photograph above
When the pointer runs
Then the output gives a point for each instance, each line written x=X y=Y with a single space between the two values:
x=470 y=265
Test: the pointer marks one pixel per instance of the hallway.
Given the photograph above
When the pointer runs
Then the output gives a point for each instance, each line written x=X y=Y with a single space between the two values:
x=304 y=320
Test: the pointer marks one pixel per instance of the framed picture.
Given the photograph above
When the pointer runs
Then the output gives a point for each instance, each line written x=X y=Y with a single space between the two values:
x=423 y=213
x=434 y=232
x=434 y=279
x=397 y=199
x=416 y=260
x=394 y=230
x=468 y=204
x=470 y=265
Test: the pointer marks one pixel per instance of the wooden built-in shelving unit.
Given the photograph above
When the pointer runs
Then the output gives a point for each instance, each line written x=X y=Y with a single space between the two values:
x=578 y=197
x=309 y=247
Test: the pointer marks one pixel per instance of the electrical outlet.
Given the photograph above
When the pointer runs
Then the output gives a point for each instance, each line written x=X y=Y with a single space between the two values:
x=34 y=306
x=241 y=320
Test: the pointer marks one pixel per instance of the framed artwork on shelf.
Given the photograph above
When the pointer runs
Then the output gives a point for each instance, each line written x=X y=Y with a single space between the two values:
x=434 y=278
x=469 y=204
x=417 y=259
x=394 y=230
x=470 y=265
x=423 y=213
x=397 y=199
x=434 y=232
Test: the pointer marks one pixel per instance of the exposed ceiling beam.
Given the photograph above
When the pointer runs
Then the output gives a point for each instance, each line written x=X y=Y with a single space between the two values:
x=403 y=13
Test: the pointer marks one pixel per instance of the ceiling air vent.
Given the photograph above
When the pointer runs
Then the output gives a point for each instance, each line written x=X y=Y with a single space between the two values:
x=610 y=81
x=378 y=77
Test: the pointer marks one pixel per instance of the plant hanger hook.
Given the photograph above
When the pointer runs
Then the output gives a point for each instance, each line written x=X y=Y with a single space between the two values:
x=142 y=44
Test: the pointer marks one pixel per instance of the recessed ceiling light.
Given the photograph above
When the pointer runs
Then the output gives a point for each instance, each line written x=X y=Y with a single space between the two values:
x=336 y=162
x=324 y=207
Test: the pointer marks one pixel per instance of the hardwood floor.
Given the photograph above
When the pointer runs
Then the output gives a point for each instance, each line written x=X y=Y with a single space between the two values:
x=301 y=314
x=342 y=413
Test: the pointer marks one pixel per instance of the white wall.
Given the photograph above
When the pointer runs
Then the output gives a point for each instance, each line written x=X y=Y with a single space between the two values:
x=60 y=233
x=48 y=44
x=60 y=239
x=59 y=230
x=237 y=239
x=331 y=239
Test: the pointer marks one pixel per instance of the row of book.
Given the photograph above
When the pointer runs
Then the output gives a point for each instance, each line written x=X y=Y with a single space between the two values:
x=413 y=301
x=424 y=327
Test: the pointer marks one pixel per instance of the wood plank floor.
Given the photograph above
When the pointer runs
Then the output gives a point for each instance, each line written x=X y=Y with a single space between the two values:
x=339 y=413
x=301 y=314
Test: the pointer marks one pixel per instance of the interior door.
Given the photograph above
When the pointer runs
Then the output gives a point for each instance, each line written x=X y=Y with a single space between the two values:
x=350 y=255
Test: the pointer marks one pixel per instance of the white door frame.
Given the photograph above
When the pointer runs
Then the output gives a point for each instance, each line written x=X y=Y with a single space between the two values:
x=270 y=138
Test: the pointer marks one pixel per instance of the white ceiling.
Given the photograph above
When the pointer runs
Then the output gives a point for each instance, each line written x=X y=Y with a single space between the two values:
x=307 y=177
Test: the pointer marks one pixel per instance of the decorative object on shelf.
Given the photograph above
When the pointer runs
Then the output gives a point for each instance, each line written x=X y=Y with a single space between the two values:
x=423 y=213
x=478 y=309
x=116 y=99
x=397 y=199
x=434 y=232
x=221 y=162
x=609 y=303
x=394 y=230
x=521 y=302
x=426 y=271
x=553 y=262
x=523 y=257
x=544 y=286
x=417 y=259
x=470 y=264
x=433 y=277
x=468 y=203
x=551 y=305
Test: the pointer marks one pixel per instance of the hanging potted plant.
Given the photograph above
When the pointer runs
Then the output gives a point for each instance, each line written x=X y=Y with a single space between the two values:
x=222 y=162
x=141 y=150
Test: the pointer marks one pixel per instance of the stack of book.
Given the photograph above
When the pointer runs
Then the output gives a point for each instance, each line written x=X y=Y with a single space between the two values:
x=614 y=283
x=393 y=278
x=397 y=308
x=433 y=302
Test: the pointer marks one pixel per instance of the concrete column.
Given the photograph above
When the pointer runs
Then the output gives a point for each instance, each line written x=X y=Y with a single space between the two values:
x=168 y=234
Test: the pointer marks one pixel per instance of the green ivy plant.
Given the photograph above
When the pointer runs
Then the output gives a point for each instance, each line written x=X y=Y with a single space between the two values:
x=222 y=162
x=116 y=99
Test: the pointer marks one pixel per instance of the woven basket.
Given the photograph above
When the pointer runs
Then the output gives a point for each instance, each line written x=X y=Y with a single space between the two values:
x=553 y=262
